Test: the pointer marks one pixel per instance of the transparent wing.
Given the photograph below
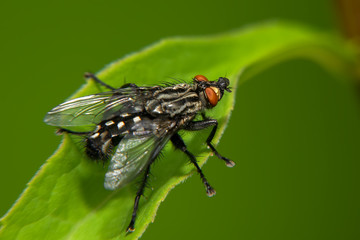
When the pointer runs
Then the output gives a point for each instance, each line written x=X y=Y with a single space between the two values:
x=134 y=153
x=89 y=110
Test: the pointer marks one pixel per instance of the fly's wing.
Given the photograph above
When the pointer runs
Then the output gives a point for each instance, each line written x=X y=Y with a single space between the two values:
x=92 y=109
x=136 y=150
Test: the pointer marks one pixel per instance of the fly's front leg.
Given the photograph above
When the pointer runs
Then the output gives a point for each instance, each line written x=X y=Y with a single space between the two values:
x=199 y=125
x=93 y=77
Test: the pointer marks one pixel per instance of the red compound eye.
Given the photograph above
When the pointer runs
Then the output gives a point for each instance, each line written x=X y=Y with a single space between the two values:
x=211 y=96
x=200 y=78
x=210 y=93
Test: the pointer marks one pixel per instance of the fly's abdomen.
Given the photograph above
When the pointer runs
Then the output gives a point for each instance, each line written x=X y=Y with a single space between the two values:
x=100 y=143
x=108 y=134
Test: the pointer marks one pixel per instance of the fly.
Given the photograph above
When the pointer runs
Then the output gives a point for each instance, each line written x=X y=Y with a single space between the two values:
x=131 y=125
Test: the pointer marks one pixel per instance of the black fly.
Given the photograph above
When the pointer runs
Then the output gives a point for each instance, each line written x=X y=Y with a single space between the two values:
x=132 y=124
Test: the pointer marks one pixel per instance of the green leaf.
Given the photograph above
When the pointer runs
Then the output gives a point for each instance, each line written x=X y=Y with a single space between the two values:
x=66 y=198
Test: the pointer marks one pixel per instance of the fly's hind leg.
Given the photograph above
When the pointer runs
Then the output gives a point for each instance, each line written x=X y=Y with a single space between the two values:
x=63 y=130
x=140 y=192
x=91 y=76
x=179 y=144
x=132 y=85
x=199 y=125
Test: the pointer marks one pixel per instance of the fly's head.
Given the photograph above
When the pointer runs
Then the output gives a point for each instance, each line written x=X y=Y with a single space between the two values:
x=211 y=92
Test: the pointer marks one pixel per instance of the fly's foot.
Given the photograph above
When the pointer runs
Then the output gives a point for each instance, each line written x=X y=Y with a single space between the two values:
x=210 y=191
x=60 y=131
x=130 y=228
x=88 y=75
x=229 y=163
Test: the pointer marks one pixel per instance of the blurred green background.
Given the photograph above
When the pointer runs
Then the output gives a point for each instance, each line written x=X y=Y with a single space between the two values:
x=294 y=133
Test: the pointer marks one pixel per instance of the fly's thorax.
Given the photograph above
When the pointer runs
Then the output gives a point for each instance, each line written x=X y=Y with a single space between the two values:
x=180 y=99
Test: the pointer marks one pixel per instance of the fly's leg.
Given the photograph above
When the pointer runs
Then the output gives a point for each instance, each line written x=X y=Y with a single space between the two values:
x=63 y=130
x=199 y=125
x=131 y=227
x=179 y=143
x=132 y=85
x=93 y=77
x=140 y=192
x=228 y=162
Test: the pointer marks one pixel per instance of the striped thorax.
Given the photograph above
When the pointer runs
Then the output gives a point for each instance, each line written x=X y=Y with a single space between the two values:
x=180 y=99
